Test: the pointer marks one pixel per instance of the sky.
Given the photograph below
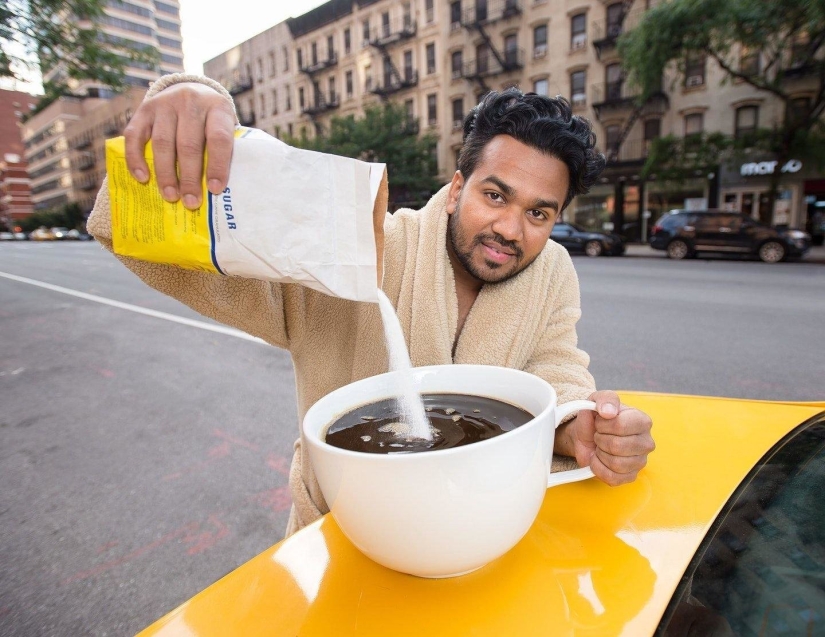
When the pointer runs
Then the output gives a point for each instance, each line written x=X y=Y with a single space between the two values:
x=209 y=29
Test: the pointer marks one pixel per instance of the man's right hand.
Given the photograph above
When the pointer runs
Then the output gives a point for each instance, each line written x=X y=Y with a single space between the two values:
x=181 y=121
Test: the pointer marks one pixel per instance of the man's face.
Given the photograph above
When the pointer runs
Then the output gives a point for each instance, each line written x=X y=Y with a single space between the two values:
x=502 y=215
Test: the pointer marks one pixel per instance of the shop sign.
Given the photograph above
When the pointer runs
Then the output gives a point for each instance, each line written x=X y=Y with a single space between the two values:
x=768 y=167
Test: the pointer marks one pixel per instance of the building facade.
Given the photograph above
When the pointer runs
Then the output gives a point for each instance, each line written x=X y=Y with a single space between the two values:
x=438 y=57
x=64 y=142
x=15 y=189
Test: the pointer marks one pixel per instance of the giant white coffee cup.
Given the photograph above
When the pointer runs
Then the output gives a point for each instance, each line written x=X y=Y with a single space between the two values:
x=448 y=512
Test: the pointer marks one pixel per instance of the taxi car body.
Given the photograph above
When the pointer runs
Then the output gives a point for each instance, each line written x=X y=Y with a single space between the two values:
x=723 y=533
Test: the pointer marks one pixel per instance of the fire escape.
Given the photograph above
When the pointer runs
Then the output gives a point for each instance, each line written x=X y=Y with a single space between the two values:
x=319 y=103
x=476 y=19
x=383 y=39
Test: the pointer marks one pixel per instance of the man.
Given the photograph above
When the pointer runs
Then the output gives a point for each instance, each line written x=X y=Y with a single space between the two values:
x=472 y=275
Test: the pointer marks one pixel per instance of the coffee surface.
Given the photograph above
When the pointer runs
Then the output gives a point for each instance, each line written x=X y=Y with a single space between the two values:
x=455 y=420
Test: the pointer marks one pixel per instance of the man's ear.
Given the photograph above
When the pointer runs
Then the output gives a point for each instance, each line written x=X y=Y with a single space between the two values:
x=455 y=190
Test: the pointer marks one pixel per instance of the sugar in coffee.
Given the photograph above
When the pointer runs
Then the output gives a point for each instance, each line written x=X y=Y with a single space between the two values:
x=455 y=420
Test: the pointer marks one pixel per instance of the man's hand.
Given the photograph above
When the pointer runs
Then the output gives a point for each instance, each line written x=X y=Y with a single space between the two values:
x=614 y=443
x=181 y=121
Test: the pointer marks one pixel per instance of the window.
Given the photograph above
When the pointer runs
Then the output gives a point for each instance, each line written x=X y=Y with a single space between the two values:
x=313 y=55
x=457 y=64
x=290 y=130
x=300 y=57
x=615 y=17
x=408 y=66
x=274 y=102
x=347 y=41
x=260 y=70
x=387 y=72
x=540 y=41
x=273 y=67
x=511 y=51
x=330 y=47
x=349 y=84
x=409 y=105
x=799 y=109
x=429 y=10
x=385 y=24
x=301 y=97
x=458 y=113
x=694 y=124
x=766 y=545
x=747 y=118
x=288 y=104
x=694 y=70
x=263 y=104
x=481 y=10
x=482 y=58
x=431 y=58
x=365 y=27
x=540 y=87
x=333 y=98
x=613 y=82
x=578 y=31
x=653 y=130
x=578 y=92
x=368 y=77
x=611 y=138
x=285 y=56
x=432 y=113
x=748 y=61
x=455 y=16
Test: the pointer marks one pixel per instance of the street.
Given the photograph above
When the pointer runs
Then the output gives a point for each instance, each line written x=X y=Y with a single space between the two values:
x=143 y=458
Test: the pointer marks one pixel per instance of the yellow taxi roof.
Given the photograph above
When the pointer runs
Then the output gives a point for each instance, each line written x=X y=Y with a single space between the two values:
x=598 y=560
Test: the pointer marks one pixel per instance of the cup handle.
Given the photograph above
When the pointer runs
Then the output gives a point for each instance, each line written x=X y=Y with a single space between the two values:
x=574 y=475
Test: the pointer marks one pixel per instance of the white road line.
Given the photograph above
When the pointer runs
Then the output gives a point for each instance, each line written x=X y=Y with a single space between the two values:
x=220 y=329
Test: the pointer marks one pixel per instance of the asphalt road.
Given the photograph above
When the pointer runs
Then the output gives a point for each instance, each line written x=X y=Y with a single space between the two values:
x=141 y=459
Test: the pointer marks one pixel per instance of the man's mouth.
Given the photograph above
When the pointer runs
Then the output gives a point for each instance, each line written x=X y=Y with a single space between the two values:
x=496 y=252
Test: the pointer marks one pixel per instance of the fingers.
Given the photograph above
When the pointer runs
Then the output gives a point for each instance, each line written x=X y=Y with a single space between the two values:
x=610 y=475
x=163 y=150
x=190 y=145
x=136 y=134
x=220 y=140
x=607 y=403
x=622 y=446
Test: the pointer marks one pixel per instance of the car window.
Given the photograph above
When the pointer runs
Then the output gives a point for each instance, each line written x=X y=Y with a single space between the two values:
x=759 y=571
x=671 y=222
x=707 y=223
x=733 y=222
x=561 y=229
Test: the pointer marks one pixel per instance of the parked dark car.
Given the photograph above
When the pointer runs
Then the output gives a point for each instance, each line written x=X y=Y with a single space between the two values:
x=593 y=244
x=684 y=233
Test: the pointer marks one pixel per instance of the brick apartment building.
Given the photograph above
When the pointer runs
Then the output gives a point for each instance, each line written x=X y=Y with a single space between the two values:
x=15 y=194
x=438 y=57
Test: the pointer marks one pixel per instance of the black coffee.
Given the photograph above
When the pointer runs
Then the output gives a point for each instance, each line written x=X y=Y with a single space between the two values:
x=455 y=420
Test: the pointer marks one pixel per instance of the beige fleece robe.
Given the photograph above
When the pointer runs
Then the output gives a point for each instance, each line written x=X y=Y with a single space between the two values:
x=527 y=323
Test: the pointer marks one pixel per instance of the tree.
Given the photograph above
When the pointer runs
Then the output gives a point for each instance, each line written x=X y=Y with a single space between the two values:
x=386 y=135
x=777 y=47
x=64 y=33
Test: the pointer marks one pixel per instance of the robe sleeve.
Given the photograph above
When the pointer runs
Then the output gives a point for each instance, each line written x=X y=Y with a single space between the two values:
x=556 y=357
x=270 y=311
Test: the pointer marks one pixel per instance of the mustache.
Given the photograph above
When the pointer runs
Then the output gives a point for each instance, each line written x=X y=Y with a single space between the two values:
x=497 y=238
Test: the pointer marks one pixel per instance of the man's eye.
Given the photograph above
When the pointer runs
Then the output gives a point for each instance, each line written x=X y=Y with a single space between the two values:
x=495 y=196
x=537 y=214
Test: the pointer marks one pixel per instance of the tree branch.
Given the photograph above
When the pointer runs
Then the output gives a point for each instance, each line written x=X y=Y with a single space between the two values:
x=749 y=79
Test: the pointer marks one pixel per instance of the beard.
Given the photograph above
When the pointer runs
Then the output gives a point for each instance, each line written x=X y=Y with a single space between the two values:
x=464 y=246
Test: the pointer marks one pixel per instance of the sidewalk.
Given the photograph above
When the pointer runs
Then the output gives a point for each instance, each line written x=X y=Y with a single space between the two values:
x=815 y=255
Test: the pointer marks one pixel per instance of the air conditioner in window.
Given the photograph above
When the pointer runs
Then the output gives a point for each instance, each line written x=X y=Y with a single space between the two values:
x=365 y=43
x=540 y=51
x=579 y=99
x=456 y=73
x=458 y=124
x=579 y=41
x=694 y=80
x=455 y=26
x=432 y=123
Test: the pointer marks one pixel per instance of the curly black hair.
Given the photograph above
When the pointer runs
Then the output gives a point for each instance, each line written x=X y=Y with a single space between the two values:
x=544 y=123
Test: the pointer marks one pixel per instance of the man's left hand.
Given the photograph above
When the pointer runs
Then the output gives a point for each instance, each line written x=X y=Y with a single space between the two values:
x=614 y=441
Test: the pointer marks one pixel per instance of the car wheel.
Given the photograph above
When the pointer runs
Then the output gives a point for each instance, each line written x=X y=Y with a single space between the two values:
x=593 y=248
x=771 y=252
x=677 y=249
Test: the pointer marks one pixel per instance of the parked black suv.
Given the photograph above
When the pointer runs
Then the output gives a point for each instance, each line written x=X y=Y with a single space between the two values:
x=593 y=244
x=683 y=233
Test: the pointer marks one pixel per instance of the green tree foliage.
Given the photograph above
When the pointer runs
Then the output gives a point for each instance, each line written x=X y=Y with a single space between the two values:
x=776 y=47
x=64 y=33
x=67 y=216
x=386 y=135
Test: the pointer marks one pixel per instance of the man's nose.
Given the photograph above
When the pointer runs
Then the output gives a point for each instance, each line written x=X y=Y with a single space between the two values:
x=509 y=224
